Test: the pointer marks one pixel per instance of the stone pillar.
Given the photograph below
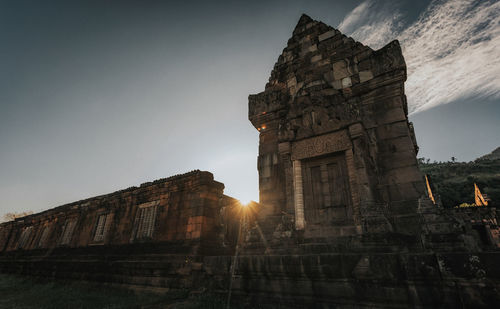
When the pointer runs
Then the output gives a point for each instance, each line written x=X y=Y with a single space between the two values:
x=371 y=211
x=298 y=195
x=265 y=110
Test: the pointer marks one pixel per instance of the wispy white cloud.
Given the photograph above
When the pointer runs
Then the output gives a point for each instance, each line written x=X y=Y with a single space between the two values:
x=357 y=16
x=452 y=50
x=371 y=22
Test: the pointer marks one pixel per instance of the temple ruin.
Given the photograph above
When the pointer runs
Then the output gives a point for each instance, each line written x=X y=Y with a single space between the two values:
x=344 y=219
x=336 y=149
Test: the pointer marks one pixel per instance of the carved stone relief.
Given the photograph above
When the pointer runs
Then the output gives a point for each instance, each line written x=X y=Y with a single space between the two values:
x=321 y=145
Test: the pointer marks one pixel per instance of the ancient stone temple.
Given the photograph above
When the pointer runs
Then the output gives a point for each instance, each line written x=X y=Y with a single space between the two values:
x=336 y=149
x=344 y=220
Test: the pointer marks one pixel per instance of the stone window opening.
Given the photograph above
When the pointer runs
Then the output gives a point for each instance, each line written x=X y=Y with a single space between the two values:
x=68 y=229
x=43 y=237
x=23 y=239
x=145 y=221
x=102 y=227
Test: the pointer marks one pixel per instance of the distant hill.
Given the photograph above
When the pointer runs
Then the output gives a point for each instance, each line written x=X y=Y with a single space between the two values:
x=494 y=155
x=454 y=181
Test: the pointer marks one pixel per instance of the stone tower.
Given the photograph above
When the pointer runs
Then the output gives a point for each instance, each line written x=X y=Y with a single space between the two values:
x=337 y=155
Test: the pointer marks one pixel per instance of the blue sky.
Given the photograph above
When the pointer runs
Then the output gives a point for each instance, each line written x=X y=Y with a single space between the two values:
x=97 y=96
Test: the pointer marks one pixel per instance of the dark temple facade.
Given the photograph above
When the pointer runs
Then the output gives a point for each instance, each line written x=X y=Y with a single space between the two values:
x=343 y=220
x=336 y=149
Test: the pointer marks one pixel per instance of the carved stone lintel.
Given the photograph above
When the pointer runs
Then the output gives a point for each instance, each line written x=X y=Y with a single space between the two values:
x=320 y=145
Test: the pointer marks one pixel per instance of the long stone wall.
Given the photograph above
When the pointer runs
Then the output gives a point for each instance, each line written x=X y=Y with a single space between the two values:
x=180 y=209
x=153 y=236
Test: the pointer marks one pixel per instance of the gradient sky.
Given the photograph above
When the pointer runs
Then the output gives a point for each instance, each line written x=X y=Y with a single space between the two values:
x=98 y=96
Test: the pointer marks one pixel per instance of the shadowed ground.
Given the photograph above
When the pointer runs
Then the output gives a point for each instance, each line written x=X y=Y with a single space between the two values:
x=18 y=292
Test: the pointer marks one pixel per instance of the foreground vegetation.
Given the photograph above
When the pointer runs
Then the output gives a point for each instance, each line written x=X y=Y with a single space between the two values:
x=454 y=181
x=26 y=293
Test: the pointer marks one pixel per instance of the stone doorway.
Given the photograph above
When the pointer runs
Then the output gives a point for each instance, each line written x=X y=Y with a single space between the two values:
x=327 y=194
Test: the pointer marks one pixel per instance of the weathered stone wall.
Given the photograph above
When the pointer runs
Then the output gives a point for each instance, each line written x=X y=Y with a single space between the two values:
x=183 y=209
x=471 y=229
x=188 y=222
x=369 y=280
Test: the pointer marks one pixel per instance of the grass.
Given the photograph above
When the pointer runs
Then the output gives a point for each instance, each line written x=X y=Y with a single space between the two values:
x=26 y=293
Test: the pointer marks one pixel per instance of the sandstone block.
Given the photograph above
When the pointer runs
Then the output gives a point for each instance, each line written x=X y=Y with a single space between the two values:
x=346 y=82
x=326 y=35
x=337 y=84
x=365 y=76
x=340 y=70
x=316 y=58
